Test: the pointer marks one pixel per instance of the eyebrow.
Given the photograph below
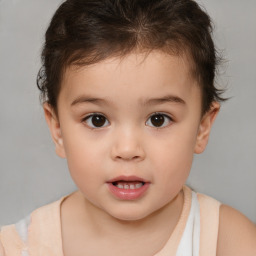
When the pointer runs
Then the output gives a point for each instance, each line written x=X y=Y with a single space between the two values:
x=88 y=99
x=151 y=101
x=164 y=99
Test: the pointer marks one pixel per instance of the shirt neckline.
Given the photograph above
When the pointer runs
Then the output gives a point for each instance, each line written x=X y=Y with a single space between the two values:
x=171 y=245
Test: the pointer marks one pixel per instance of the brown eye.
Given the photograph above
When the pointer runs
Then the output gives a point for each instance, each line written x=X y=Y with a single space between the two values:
x=158 y=120
x=96 y=121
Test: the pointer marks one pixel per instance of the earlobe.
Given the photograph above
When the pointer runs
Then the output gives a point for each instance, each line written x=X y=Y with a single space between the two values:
x=54 y=127
x=205 y=128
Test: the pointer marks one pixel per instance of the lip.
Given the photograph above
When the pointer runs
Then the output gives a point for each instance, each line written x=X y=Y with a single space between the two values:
x=128 y=194
x=127 y=178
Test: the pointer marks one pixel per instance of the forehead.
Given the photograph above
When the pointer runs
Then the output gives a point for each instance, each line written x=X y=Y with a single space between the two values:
x=138 y=73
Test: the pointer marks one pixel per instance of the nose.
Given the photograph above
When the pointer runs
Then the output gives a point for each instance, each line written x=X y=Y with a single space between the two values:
x=127 y=146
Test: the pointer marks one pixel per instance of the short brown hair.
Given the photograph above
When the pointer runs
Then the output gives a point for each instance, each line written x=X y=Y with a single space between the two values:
x=84 y=32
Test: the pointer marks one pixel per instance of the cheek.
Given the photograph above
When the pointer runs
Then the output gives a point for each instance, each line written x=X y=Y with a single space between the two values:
x=176 y=165
x=84 y=169
x=83 y=157
x=174 y=155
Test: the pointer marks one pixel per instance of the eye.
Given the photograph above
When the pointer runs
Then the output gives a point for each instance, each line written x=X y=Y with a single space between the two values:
x=96 y=121
x=159 y=120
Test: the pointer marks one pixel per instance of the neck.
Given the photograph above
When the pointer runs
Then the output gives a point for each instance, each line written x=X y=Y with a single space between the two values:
x=88 y=228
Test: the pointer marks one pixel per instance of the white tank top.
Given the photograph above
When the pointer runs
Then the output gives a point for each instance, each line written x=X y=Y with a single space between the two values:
x=190 y=241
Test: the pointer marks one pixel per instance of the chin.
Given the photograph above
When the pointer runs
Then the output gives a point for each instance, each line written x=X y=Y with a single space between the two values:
x=129 y=214
x=129 y=218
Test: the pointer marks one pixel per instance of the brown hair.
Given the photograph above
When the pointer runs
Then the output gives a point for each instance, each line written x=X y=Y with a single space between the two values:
x=84 y=32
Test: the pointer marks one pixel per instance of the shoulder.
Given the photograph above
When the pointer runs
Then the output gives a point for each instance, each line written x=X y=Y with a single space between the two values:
x=41 y=227
x=230 y=231
x=8 y=238
x=237 y=234
x=1 y=247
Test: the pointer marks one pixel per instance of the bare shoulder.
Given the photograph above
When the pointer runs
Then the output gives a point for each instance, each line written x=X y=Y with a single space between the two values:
x=237 y=234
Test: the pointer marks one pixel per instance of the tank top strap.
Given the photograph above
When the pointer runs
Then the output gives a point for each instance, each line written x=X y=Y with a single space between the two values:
x=190 y=241
x=2 y=253
x=38 y=234
x=44 y=237
x=172 y=244
x=11 y=243
x=209 y=224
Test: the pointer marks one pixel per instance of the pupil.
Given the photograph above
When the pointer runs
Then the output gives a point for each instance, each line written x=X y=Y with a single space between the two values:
x=157 y=120
x=98 y=121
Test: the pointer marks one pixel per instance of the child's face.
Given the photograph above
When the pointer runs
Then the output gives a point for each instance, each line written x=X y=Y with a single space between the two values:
x=146 y=127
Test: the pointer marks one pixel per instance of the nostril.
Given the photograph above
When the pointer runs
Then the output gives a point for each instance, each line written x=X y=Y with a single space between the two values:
x=128 y=158
x=127 y=151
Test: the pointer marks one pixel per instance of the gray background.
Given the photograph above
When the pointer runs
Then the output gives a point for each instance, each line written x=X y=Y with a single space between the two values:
x=32 y=175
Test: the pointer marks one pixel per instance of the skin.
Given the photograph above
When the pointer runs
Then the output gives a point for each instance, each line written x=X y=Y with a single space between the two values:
x=124 y=91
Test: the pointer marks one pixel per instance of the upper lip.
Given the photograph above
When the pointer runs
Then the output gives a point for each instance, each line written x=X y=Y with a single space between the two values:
x=127 y=178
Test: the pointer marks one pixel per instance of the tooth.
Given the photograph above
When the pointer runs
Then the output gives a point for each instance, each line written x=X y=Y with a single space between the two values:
x=126 y=186
x=120 y=186
x=138 y=185
x=132 y=186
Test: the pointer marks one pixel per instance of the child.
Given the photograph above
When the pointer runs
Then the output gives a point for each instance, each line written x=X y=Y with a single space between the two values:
x=129 y=97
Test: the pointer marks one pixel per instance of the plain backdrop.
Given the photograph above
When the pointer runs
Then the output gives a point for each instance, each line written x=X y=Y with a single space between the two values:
x=32 y=175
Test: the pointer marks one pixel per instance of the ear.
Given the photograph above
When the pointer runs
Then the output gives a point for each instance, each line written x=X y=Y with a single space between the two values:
x=205 y=128
x=54 y=127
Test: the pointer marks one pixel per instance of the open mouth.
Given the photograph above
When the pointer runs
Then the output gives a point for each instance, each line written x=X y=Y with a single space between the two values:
x=128 y=184
x=128 y=188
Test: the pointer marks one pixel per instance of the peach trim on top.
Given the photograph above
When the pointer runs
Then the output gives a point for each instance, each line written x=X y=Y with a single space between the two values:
x=1 y=247
x=13 y=245
x=46 y=243
x=209 y=221
x=44 y=234
x=172 y=244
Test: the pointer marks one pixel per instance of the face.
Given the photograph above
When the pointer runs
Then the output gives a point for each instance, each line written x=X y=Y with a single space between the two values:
x=129 y=128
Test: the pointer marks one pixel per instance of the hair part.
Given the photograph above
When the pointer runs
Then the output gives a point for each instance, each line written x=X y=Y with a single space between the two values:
x=85 y=32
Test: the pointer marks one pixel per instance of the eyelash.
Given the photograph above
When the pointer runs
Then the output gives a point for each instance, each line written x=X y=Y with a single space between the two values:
x=92 y=126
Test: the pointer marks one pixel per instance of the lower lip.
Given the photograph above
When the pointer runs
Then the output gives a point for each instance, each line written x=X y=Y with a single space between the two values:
x=128 y=194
